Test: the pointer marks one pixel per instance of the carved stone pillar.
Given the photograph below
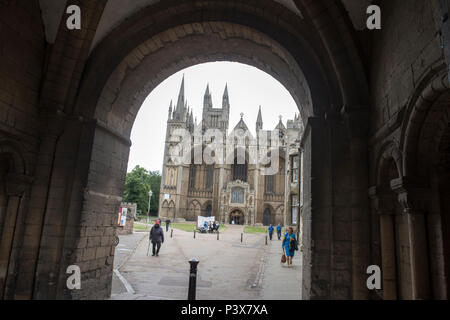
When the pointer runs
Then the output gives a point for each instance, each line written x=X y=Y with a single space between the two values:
x=16 y=186
x=384 y=204
x=415 y=199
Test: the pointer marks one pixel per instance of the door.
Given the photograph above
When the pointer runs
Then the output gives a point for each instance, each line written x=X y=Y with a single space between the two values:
x=208 y=210
x=237 y=217
x=266 y=217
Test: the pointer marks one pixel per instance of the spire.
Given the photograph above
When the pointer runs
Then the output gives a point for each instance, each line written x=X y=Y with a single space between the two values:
x=180 y=110
x=170 y=109
x=207 y=101
x=259 y=121
x=226 y=100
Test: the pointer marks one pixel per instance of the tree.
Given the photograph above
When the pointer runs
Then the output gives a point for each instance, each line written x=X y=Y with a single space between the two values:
x=137 y=185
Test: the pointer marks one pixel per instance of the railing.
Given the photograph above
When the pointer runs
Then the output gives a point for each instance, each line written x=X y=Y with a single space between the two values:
x=274 y=196
x=200 y=193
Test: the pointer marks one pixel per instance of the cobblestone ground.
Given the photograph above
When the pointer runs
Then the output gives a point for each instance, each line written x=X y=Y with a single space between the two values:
x=228 y=269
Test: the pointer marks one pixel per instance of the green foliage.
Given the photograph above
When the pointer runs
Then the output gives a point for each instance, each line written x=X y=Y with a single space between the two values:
x=137 y=185
x=252 y=229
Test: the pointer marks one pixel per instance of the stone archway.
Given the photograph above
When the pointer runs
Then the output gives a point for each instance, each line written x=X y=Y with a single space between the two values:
x=237 y=215
x=87 y=119
x=424 y=184
x=269 y=215
x=134 y=73
x=194 y=210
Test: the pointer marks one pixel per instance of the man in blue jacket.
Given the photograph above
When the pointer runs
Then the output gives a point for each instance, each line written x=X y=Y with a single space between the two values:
x=270 y=232
x=279 y=231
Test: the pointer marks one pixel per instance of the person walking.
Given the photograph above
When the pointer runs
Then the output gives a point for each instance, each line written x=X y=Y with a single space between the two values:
x=156 y=237
x=270 y=232
x=279 y=231
x=289 y=245
x=167 y=225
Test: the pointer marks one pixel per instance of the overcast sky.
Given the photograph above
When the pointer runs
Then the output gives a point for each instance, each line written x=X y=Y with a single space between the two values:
x=248 y=89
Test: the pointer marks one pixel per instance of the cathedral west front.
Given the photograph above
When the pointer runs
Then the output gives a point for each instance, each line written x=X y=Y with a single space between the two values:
x=251 y=180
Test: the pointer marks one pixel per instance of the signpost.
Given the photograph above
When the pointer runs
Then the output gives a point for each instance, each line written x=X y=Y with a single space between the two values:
x=150 y=193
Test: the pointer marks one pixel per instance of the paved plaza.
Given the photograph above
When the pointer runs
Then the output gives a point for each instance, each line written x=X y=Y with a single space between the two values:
x=228 y=269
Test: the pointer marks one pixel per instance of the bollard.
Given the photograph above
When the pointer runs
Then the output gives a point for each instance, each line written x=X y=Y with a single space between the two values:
x=193 y=279
x=242 y=235
x=266 y=239
x=217 y=235
x=194 y=233
x=171 y=233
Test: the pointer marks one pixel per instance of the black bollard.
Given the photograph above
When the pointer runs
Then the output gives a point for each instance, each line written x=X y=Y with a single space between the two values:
x=242 y=235
x=266 y=239
x=193 y=279
x=217 y=235
x=194 y=233
x=171 y=233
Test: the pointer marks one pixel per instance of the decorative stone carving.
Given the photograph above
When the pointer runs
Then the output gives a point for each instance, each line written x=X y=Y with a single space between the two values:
x=412 y=195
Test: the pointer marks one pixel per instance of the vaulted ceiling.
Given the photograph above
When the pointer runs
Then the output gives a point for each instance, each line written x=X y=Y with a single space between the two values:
x=116 y=11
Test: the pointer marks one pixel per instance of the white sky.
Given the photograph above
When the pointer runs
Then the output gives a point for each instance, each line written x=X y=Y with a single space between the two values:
x=248 y=88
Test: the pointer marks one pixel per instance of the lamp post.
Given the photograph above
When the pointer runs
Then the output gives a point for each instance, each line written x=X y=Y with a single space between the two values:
x=150 y=193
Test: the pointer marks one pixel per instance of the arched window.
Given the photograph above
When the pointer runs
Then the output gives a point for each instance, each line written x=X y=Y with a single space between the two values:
x=269 y=183
x=192 y=177
x=240 y=171
x=267 y=216
x=209 y=177
x=208 y=210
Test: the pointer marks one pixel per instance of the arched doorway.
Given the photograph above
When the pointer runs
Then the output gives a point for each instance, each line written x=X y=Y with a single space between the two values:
x=267 y=216
x=14 y=184
x=238 y=217
x=208 y=210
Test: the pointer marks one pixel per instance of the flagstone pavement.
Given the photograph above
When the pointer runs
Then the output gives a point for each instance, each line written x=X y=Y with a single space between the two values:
x=228 y=270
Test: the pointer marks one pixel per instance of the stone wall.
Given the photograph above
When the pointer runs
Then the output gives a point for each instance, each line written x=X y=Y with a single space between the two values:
x=406 y=55
x=22 y=67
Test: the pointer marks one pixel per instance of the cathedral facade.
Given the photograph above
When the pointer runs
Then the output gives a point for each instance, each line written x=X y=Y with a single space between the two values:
x=251 y=179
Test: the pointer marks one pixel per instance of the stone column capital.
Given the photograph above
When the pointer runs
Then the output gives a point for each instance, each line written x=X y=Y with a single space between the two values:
x=17 y=184
x=412 y=194
x=383 y=200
